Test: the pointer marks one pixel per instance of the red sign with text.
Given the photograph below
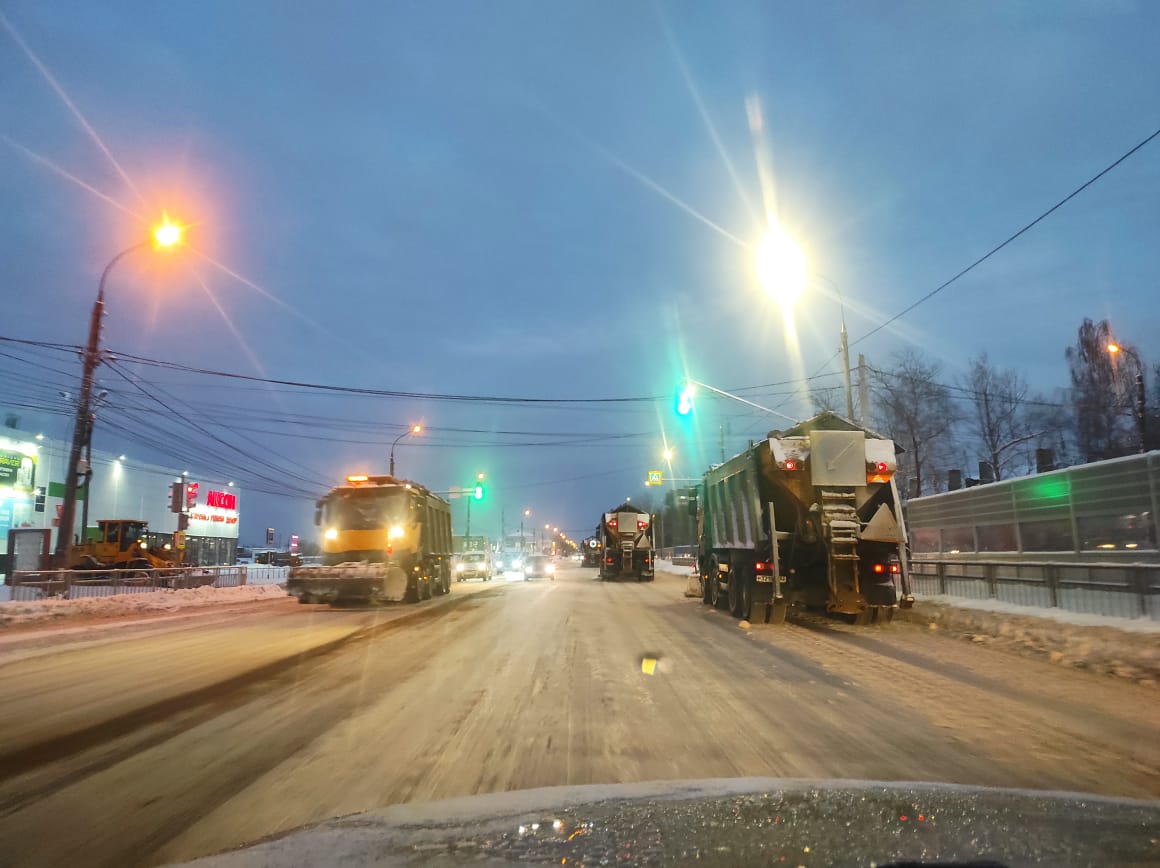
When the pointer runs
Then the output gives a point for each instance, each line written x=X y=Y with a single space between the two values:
x=221 y=499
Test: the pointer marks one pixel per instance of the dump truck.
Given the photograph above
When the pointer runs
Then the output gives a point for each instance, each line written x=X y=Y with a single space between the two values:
x=120 y=544
x=591 y=551
x=383 y=540
x=809 y=517
x=625 y=541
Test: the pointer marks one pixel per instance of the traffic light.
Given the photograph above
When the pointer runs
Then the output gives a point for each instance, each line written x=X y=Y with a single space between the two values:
x=479 y=491
x=177 y=497
x=182 y=521
x=39 y=505
x=191 y=495
x=685 y=401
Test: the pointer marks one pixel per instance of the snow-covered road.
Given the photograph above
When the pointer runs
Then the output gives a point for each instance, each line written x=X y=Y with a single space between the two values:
x=165 y=740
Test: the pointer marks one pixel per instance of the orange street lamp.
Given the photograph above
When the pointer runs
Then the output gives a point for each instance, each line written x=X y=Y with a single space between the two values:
x=166 y=235
x=414 y=429
x=1141 y=409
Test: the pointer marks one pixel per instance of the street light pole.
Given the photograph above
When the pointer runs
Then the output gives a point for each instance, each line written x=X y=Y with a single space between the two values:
x=414 y=429
x=1141 y=395
x=82 y=430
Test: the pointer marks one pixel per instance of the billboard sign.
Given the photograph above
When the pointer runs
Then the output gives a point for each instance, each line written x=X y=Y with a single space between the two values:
x=18 y=468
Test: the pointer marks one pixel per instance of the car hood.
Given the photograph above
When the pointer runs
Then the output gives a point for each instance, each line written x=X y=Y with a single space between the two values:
x=729 y=822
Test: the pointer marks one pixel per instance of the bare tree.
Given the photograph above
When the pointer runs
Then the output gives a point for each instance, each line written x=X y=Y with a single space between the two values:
x=916 y=410
x=828 y=399
x=998 y=421
x=1100 y=393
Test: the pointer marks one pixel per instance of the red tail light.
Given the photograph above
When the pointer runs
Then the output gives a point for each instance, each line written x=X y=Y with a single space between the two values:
x=895 y=568
x=790 y=464
x=882 y=468
x=879 y=568
x=641 y=525
x=613 y=523
x=763 y=567
x=608 y=560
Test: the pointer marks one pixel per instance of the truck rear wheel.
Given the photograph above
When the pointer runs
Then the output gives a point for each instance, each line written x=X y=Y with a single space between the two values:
x=714 y=582
x=735 y=594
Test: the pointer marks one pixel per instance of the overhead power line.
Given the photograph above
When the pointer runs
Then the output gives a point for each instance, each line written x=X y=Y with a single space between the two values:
x=1009 y=239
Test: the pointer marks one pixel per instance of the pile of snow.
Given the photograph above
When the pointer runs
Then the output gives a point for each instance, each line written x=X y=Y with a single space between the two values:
x=16 y=613
x=1124 y=647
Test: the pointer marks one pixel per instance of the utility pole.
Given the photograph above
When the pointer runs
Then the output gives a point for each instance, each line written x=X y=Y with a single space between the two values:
x=846 y=372
x=467 y=536
x=863 y=392
x=92 y=358
x=1141 y=406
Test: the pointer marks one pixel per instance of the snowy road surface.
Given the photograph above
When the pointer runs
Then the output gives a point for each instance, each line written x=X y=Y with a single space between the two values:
x=161 y=741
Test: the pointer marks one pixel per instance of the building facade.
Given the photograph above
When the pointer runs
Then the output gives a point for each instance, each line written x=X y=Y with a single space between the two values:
x=32 y=473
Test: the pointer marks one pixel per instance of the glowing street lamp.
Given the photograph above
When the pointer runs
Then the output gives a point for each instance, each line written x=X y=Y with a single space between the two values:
x=781 y=267
x=164 y=236
x=1114 y=350
x=414 y=429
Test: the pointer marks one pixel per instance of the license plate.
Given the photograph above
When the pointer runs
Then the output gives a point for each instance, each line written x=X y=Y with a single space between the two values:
x=765 y=579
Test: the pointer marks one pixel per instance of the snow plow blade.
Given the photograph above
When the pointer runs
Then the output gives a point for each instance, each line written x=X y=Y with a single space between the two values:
x=359 y=582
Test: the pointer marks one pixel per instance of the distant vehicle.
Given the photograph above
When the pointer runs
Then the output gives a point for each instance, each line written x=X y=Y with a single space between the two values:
x=539 y=567
x=278 y=559
x=473 y=565
x=512 y=566
x=590 y=551
x=384 y=539
x=626 y=543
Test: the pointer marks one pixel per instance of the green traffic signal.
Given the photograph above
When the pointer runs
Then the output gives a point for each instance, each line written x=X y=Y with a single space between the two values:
x=685 y=402
x=478 y=491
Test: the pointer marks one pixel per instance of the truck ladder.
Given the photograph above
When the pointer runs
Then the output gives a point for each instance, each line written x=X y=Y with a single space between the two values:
x=840 y=520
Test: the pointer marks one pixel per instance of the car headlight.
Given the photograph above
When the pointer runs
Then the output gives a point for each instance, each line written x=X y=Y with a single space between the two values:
x=331 y=533
x=551 y=568
x=395 y=532
x=459 y=568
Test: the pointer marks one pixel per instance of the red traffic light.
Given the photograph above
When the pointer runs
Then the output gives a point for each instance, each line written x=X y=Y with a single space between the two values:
x=191 y=495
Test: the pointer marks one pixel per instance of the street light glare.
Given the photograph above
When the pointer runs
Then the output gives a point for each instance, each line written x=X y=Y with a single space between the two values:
x=1113 y=348
x=781 y=267
x=167 y=234
x=416 y=429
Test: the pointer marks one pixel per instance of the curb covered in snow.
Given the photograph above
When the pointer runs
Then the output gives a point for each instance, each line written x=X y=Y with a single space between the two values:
x=14 y=614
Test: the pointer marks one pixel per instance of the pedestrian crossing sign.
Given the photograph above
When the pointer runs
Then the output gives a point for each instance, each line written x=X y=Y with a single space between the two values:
x=654 y=477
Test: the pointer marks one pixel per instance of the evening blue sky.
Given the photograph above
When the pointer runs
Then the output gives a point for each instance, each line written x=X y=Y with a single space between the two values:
x=463 y=198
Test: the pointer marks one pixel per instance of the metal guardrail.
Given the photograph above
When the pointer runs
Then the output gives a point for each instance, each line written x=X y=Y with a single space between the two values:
x=29 y=585
x=1117 y=590
x=680 y=556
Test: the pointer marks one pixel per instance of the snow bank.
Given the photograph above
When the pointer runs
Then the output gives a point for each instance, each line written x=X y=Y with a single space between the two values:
x=14 y=614
x=1127 y=648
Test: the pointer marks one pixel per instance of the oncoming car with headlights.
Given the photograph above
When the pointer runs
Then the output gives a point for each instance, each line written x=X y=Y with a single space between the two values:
x=473 y=565
x=539 y=567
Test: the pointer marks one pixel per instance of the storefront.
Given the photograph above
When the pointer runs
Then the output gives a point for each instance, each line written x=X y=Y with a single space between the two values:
x=212 y=534
x=18 y=474
x=32 y=473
